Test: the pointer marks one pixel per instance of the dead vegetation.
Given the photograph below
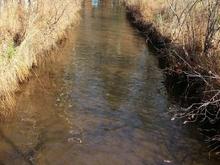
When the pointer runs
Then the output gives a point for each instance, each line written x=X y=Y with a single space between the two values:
x=29 y=30
x=189 y=32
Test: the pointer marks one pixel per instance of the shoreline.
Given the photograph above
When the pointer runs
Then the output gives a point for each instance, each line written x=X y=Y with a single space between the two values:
x=177 y=80
x=40 y=39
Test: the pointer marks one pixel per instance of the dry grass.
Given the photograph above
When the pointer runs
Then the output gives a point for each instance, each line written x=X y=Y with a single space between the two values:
x=28 y=33
x=147 y=7
x=193 y=27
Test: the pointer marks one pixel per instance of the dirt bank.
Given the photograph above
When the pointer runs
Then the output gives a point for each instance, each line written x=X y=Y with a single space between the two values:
x=29 y=32
x=190 y=64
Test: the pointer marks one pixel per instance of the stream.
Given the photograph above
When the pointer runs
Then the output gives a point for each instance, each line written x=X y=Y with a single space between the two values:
x=101 y=101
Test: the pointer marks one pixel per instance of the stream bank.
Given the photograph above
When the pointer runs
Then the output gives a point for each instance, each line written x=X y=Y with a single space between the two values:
x=194 y=87
x=29 y=34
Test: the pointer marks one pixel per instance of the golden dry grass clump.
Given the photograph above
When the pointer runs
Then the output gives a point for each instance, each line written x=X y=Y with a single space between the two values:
x=148 y=8
x=194 y=25
x=27 y=31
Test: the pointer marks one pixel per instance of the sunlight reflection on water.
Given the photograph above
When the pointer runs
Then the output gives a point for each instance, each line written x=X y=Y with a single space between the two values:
x=95 y=3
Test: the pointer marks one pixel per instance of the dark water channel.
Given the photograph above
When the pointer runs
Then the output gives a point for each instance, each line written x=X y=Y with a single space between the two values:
x=102 y=102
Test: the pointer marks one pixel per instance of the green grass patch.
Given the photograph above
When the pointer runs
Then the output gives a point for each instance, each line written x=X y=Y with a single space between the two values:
x=10 y=52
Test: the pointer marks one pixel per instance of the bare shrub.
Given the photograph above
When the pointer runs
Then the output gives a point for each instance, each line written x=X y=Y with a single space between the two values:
x=193 y=26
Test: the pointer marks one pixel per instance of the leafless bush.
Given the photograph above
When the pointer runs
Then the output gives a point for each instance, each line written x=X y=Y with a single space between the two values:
x=193 y=55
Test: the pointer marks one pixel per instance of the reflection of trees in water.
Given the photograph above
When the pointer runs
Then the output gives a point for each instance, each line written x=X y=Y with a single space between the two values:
x=116 y=61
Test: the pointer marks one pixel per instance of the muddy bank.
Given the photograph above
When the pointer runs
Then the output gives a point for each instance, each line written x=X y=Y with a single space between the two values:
x=41 y=28
x=176 y=79
x=186 y=83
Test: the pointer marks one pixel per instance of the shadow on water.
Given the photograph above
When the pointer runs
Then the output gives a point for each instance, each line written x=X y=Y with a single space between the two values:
x=101 y=102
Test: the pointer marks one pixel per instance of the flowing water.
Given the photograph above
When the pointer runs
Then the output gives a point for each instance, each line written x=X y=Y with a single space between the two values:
x=101 y=102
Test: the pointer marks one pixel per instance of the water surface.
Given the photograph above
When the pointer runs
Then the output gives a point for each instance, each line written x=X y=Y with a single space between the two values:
x=101 y=102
